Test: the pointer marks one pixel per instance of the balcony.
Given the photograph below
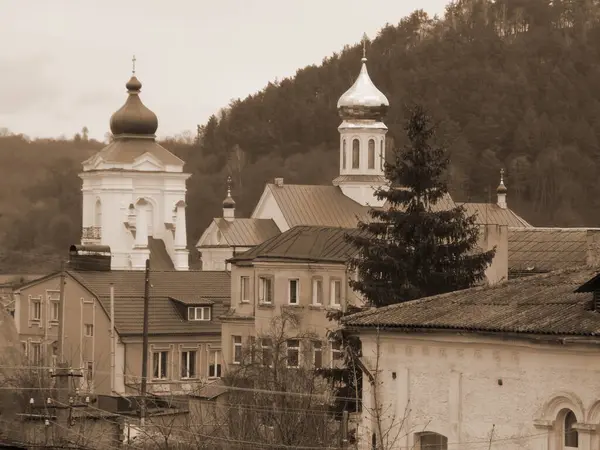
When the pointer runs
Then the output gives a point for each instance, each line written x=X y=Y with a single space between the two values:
x=91 y=235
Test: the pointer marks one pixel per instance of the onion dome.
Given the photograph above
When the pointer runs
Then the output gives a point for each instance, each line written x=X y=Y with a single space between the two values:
x=229 y=202
x=133 y=118
x=363 y=100
x=501 y=189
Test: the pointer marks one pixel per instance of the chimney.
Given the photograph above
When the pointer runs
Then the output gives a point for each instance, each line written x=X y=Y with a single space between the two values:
x=229 y=204
x=501 y=191
x=279 y=182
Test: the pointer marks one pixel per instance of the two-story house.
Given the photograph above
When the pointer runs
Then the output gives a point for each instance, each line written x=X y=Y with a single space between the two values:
x=183 y=328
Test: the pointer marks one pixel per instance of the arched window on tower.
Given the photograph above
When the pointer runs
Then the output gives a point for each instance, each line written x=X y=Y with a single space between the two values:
x=371 y=164
x=571 y=437
x=382 y=154
x=355 y=154
x=98 y=213
x=344 y=154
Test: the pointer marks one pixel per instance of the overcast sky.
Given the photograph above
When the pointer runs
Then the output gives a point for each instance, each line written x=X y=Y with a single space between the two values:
x=64 y=63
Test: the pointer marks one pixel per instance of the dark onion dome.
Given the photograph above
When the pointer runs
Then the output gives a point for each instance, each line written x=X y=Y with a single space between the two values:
x=133 y=118
x=363 y=100
x=229 y=202
x=501 y=189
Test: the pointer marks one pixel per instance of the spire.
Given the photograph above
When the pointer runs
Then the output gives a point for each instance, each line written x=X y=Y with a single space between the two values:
x=501 y=190
x=364 y=39
x=228 y=203
x=133 y=119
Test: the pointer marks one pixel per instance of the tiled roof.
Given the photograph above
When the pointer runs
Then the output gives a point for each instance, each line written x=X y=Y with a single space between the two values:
x=126 y=151
x=546 y=249
x=166 y=316
x=303 y=243
x=247 y=232
x=317 y=205
x=159 y=258
x=540 y=304
x=491 y=213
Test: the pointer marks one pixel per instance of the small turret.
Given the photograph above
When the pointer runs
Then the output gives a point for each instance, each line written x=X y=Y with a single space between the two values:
x=229 y=203
x=501 y=191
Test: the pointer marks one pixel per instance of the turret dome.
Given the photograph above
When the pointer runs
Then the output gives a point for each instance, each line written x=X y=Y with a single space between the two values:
x=133 y=118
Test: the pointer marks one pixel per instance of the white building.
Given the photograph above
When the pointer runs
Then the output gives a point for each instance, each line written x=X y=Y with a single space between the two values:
x=514 y=366
x=134 y=193
x=348 y=199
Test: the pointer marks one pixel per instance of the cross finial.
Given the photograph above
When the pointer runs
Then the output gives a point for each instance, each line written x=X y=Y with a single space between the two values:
x=365 y=39
x=133 y=60
x=229 y=186
x=501 y=175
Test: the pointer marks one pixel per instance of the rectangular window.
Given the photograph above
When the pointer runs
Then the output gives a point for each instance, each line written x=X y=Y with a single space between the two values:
x=265 y=290
x=336 y=354
x=36 y=310
x=199 y=313
x=294 y=285
x=244 y=289
x=267 y=352
x=35 y=353
x=293 y=352
x=336 y=293
x=159 y=365
x=237 y=349
x=89 y=330
x=317 y=354
x=54 y=311
x=317 y=291
x=188 y=364
x=89 y=371
x=214 y=364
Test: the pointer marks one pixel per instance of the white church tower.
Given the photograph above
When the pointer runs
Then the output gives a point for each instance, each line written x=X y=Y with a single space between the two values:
x=134 y=193
x=362 y=139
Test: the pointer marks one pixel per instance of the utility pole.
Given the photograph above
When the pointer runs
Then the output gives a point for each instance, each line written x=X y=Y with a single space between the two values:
x=344 y=430
x=145 y=345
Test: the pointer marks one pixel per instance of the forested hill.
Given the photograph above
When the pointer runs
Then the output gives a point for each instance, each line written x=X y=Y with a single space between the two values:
x=513 y=83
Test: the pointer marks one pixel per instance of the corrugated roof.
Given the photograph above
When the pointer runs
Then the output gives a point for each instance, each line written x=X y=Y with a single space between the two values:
x=304 y=243
x=544 y=249
x=166 y=316
x=159 y=258
x=126 y=151
x=541 y=304
x=247 y=232
x=491 y=213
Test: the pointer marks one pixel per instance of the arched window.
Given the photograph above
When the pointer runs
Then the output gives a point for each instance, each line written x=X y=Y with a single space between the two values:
x=371 y=158
x=355 y=154
x=382 y=154
x=432 y=441
x=344 y=154
x=570 y=434
x=98 y=213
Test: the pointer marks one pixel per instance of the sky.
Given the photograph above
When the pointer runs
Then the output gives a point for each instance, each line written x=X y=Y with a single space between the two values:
x=67 y=61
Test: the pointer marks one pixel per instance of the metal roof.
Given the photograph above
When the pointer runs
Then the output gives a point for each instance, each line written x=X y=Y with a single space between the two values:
x=246 y=232
x=541 y=304
x=126 y=151
x=491 y=213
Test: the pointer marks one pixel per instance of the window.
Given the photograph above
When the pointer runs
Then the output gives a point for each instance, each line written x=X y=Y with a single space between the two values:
x=237 y=349
x=98 y=214
x=159 y=365
x=267 y=352
x=355 y=154
x=317 y=291
x=571 y=435
x=244 y=289
x=432 y=441
x=89 y=329
x=265 y=290
x=89 y=371
x=199 y=313
x=381 y=156
x=317 y=354
x=336 y=353
x=214 y=364
x=35 y=353
x=293 y=352
x=344 y=154
x=36 y=309
x=188 y=364
x=54 y=311
x=336 y=293
x=293 y=291
x=371 y=159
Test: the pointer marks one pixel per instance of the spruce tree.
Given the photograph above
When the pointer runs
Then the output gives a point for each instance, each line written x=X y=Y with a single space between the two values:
x=416 y=247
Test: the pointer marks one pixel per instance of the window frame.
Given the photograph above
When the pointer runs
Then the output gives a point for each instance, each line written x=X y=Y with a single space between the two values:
x=35 y=305
x=88 y=330
x=355 y=153
x=344 y=157
x=35 y=353
x=264 y=282
x=159 y=365
x=570 y=435
x=195 y=315
x=371 y=154
x=189 y=357
x=332 y=293
x=295 y=349
x=317 y=348
x=237 y=346
x=214 y=358
x=314 y=291
x=295 y=281
x=244 y=289
x=54 y=308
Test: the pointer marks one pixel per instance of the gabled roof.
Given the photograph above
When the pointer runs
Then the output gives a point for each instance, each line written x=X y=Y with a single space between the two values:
x=536 y=250
x=491 y=213
x=303 y=244
x=165 y=314
x=246 y=232
x=127 y=151
x=541 y=304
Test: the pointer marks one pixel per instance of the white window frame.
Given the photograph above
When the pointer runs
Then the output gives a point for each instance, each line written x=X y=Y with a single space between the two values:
x=88 y=330
x=54 y=310
x=35 y=359
x=214 y=356
x=317 y=288
x=263 y=348
x=245 y=289
x=332 y=293
x=317 y=347
x=237 y=346
x=199 y=313
x=291 y=294
x=189 y=355
x=35 y=305
x=265 y=290
x=288 y=349
x=160 y=367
